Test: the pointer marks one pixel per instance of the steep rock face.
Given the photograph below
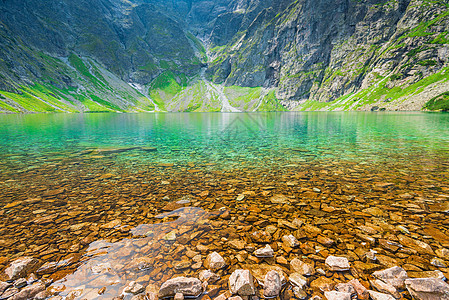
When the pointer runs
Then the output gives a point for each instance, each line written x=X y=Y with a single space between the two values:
x=134 y=41
x=321 y=50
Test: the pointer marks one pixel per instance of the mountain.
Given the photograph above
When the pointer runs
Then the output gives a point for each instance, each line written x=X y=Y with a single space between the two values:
x=224 y=55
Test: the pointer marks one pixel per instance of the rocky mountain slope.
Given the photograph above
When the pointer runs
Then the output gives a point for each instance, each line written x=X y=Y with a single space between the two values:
x=225 y=55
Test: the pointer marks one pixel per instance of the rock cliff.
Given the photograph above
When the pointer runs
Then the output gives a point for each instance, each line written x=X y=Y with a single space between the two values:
x=201 y=55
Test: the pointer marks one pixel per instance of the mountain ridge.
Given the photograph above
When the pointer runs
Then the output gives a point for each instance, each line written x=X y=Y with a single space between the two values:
x=199 y=55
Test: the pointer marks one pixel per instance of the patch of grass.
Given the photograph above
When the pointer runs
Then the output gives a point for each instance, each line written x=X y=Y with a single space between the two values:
x=441 y=102
x=79 y=65
x=105 y=103
x=427 y=63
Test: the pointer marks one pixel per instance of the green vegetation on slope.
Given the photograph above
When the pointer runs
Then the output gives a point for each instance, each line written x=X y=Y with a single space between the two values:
x=440 y=102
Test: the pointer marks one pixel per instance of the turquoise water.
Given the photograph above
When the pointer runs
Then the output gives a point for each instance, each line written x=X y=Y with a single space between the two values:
x=105 y=199
x=227 y=139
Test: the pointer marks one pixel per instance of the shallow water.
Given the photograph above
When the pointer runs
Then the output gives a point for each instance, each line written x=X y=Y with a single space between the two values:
x=95 y=195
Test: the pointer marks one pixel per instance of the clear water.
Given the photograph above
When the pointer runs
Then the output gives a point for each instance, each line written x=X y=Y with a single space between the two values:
x=94 y=195
x=227 y=139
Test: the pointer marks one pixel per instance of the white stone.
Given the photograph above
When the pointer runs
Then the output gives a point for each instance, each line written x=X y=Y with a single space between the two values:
x=267 y=251
x=241 y=282
x=21 y=267
x=188 y=286
x=298 y=280
x=335 y=263
x=380 y=296
x=272 y=284
x=302 y=267
x=214 y=261
x=427 y=288
x=394 y=276
x=334 y=295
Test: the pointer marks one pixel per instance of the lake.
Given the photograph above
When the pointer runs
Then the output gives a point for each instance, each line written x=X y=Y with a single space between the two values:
x=105 y=199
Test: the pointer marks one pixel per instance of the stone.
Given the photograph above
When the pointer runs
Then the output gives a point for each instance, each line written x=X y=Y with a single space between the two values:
x=207 y=275
x=20 y=267
x=235 y=298
x=134 y=288
x=4 y=286
x=188 y=286
x=272 y=284
x=290 y=241
x=439 y=263
x=345 y=288
x=362 y=292
x=171 y=236
x=427 y=274
x=334 y=295
x=267 y=251
x=237 y=244
x=261 y=237
x=20 y=283
x=322 y=283
x=29 y=292
x=324 y=240
x=214 y=261
x=421 y=247
x=302 y=267
x=299 y=293
x=241 y=282
x=384 y=287
x=298 y=280
x=335 y=263
x=394 y=276
x=442 y=252
x=9 y=292
x=178 y=296
x=380 y=296
x=427 y=288
x=279 y=199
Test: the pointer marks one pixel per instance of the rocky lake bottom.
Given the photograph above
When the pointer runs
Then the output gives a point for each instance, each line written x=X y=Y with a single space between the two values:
x=122 y=221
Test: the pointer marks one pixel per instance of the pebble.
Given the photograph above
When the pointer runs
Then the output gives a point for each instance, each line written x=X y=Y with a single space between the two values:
x=302 y=267
x=188 y=286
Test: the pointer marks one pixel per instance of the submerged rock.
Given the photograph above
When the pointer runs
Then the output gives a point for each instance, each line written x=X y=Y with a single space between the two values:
x=214 y=261
x=188 y=286
x=380 y=296
x=334 y=295
x=335 y=263
x=241 y=282
x=394 y=276
x=21 y=267
x=267 y=251
x=302 y=267
x=428 y=288
x=272 y=284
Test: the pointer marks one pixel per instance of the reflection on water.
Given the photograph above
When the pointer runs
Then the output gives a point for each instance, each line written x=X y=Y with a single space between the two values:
x=105 y=199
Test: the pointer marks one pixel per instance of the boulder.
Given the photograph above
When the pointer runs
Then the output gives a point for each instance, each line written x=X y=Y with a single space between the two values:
x=21 y=267
x=214 y=261
x=428 y=288
x=272 y=284
x=335 y=263
x=241 y=282
x=394 y=276
x=188 y=286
